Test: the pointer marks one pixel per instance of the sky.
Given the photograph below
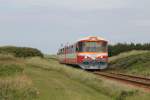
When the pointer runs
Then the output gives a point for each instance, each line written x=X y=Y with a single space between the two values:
x=46 y=24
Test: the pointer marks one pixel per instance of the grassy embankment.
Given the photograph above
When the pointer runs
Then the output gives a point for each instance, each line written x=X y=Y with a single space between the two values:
x=14 y=84
x=40 y=79
x=46 y=79
x=62 y=82
x=134 y=62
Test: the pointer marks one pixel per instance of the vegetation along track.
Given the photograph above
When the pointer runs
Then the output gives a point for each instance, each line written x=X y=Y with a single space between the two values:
x=129 y=79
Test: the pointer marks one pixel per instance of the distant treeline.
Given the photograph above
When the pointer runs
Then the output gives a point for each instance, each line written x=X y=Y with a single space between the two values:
x=124 y=47
x=21 y=51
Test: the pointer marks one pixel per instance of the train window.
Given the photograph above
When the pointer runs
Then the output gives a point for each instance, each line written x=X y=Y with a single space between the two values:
x=68 y=51
x=79 y=47
x=72 y=49
x=92 y=47
x=63 y=50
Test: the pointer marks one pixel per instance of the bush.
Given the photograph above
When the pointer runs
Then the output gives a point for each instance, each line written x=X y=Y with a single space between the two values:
x=124 y=47
x=21 y=51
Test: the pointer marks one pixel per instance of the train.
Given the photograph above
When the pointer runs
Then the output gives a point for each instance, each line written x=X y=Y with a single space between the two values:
x=89 y=53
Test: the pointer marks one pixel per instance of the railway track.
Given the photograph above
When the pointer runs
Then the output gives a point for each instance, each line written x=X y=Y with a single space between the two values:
x=141 y=82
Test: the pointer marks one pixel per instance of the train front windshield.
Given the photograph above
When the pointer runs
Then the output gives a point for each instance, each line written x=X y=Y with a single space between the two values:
x=92 y=47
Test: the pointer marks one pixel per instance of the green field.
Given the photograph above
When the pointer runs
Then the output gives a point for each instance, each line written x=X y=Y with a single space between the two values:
x=46 y=79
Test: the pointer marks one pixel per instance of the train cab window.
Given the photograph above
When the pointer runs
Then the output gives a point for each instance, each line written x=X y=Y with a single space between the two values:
x=92 y=47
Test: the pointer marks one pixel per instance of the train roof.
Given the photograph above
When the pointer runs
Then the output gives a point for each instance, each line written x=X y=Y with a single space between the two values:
x=92 y=38
x=89 y=38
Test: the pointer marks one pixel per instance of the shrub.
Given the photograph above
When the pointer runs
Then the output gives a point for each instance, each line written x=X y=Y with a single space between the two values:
x=124 y=47
x=21 y=51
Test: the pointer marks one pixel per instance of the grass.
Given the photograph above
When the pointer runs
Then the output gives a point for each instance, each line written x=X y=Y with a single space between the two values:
x=55 y=86
x=126 y=54
x=10 y=66
x=135 y=62
x=14 y=85
x=17 y=88
x=73 y=84
x=10 y=69
x=46 y=79
x=59 y=79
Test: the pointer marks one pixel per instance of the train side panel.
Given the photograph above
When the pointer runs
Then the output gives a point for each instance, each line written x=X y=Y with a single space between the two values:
x=71 y=58
x=68 y=55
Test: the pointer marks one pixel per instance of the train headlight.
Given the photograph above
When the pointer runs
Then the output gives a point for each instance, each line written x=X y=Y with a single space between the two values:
x=86 y=57
x=101 y=56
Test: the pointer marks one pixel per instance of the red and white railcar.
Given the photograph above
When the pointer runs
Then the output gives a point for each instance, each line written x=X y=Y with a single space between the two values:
x=88 y=53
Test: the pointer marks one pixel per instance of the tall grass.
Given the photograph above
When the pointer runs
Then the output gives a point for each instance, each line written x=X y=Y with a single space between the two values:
x=126 y=54
x=9 y=65
x=131 y=59
x=17 y=88
x=81 y=76
x=137 y=63
x=10 y=69
x=14 y=85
